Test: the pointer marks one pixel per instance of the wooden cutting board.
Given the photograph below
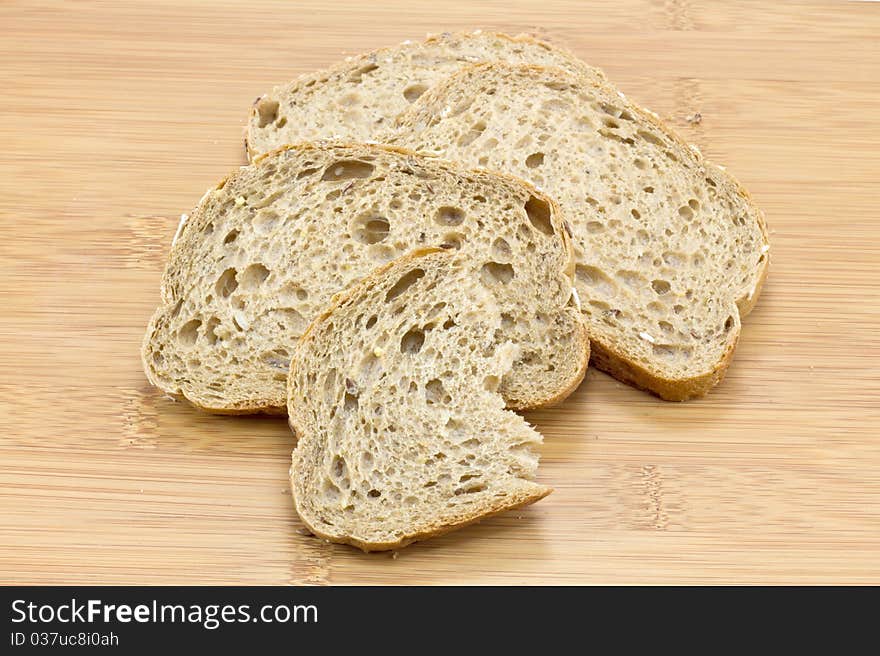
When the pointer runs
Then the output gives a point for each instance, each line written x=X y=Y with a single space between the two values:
x=117 y=116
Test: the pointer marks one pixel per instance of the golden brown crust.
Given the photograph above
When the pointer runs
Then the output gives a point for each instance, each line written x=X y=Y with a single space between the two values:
x=668 y=389
x=511 y=504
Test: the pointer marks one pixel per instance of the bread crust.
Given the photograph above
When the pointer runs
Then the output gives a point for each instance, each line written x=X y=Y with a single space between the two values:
x=459 y=520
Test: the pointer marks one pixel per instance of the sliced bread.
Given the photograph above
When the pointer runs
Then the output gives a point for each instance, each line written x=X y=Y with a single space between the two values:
x=670 y=250
x=393 y=396
x=354 y=98
x=264 y=252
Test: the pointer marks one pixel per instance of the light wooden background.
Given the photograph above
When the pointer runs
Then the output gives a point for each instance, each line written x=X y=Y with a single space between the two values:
x=115 y=117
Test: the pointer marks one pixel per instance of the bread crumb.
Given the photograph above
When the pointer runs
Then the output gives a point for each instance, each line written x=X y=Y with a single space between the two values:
x=622 y=95
x=577 y=299
x=171 y=398
x=765 y=248
x=695 y=148
x=723 y=168
x=394 y=555
x=645 y=336
x=304 y=531
x=694 y=119
x=283 y=490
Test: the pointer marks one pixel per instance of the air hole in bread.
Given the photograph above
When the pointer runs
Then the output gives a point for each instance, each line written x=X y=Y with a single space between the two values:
x=347 y=170
x=265 y=221
x=413 y=91
x=449 y=216
x=305 y=173
x=472 y=135
x=210 y=329
x=434 y=391
x=501 y=249
x=635 y=214
x=277 y=359
x=226 y=283
x=189 y=332
x=329 y=385
x=289 y=319
x=471 y=489
x=412 y=341
x=535 y=160
x=231 y=236
x=728 y=324
x=350 y=402
x=370 y=228
x=660 y=286
x=495 y=272
x=678 y=309
x=254 y=276
x=650 y=137
x=491 y=383
x=267 y=111
x=538 y=212
x=595 y=278
x=405 y=282
x=374 y=494
x=666 y=327
x=330 y=491
x=452 y=240
x=371 y=322
x=339 y=468
x=632 y=279
x=666 y=352
x=686 y=212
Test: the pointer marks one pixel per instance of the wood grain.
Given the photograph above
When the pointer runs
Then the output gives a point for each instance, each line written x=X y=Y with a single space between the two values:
x=116 y=117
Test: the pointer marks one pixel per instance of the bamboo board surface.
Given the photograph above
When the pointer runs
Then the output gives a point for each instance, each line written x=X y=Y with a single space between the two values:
x=117 y=115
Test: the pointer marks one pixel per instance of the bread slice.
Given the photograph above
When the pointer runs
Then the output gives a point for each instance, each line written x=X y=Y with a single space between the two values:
x=354 y=98
x=393 y=396
x=265 y=250
x=670 y=250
